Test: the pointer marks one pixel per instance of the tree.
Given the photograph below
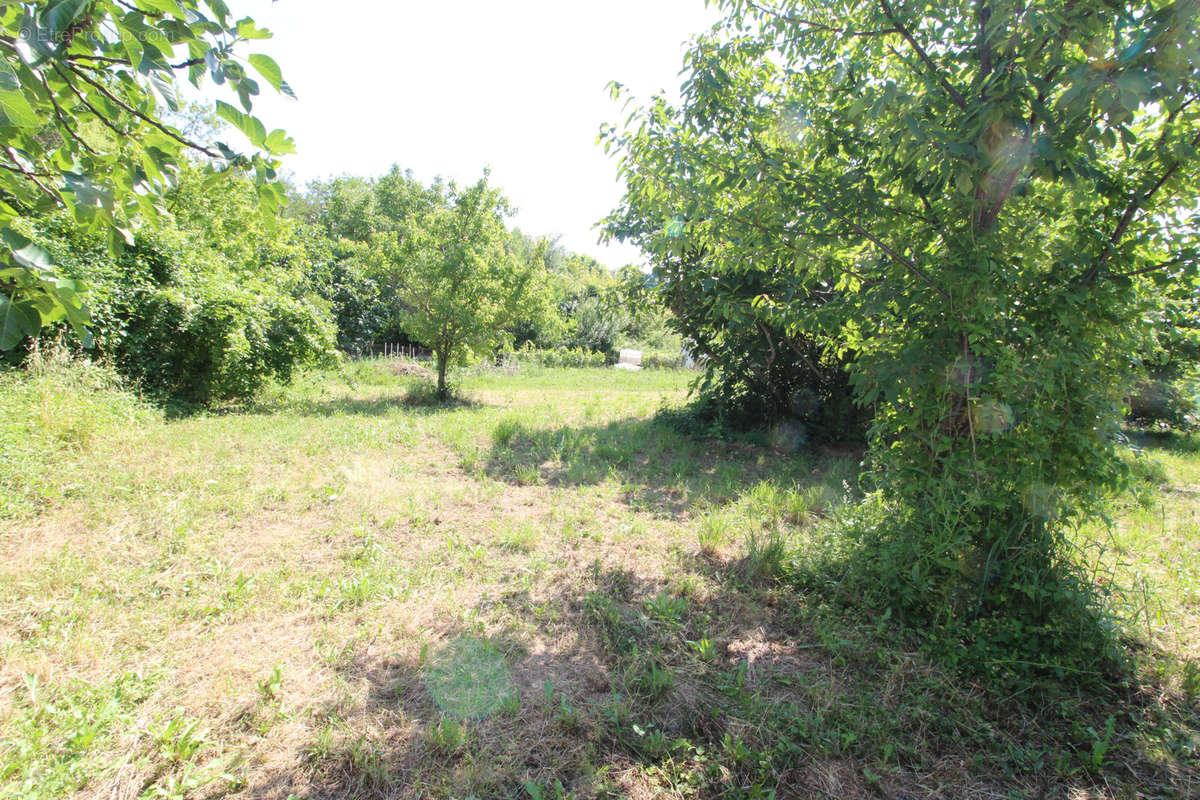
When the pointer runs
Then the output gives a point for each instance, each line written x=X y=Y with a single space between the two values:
x=985 y=198
x=81 y=87
x=459 y=282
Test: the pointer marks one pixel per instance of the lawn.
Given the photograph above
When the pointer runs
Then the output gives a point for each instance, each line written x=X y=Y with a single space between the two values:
x=539 y=591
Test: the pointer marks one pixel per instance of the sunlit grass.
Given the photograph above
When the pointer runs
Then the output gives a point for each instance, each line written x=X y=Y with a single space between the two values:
x=257 y=602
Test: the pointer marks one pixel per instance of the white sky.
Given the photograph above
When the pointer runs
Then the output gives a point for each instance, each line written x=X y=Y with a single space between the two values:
x=449 y=87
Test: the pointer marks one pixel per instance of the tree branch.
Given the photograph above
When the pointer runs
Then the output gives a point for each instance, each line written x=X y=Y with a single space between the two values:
x=1174 y=262
x=1135 y=205
x=984 y=46
x=88 y=105
x=77 y=57
x=31 y=176
x=58 y=112
x=958 y=99
x=122 y=104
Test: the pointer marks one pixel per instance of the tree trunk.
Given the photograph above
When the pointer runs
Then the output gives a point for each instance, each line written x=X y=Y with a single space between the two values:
x=443 y=393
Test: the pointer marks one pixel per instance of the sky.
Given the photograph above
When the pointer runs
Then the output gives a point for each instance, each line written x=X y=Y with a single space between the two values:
x=447 y=88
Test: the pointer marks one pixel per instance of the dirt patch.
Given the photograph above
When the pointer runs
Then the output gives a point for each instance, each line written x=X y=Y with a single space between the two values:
x=401 y=366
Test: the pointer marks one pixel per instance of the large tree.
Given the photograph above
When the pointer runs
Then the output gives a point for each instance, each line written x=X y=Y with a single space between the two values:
x=979 y=201
x=84 y=86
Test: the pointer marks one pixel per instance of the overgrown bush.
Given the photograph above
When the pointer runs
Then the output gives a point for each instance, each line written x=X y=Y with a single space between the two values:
x=186 y=323
x=211 y=340
x=754 y=373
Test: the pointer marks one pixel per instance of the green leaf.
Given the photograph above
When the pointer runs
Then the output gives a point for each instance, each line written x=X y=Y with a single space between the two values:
x=279 y=143
x=247 y=29
x=59 y=15
x=16 y=108
x=17 y=320
x=25 y=252
x=253 y=129
x=267 y=67
x=165 y=6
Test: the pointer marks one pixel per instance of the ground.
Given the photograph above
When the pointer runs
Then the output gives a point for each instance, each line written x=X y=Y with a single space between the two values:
x=539 y=591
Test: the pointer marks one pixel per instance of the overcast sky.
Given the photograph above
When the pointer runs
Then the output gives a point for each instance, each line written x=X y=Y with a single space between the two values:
x=449 y=87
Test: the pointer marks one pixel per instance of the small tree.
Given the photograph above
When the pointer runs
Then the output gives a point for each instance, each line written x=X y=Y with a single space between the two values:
x=459 y=282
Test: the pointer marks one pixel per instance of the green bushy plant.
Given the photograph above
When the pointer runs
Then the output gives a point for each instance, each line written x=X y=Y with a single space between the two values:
x=192 y=323
x=555 y=357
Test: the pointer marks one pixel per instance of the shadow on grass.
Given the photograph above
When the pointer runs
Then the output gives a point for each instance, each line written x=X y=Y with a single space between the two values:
x=723 y=680
x=1166 y=441
x=417 y=399
x=659 y=469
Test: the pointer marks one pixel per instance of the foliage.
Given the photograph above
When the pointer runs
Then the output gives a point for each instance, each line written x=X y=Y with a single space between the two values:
x=81 y=87
x=193 y=311
x=1166 y=390
x=459 y=283
x=756 y=372
x=556 y=356
x=974 y=204
x=596 y=324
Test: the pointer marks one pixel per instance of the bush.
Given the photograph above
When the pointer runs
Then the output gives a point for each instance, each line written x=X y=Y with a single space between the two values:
x=184 y=322
x=1164 y=401
x=213 y=341
x=554 y=357
x=596 y=322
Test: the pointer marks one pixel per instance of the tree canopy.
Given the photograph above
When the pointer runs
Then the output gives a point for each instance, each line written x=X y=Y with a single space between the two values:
x=460 y=283
x=978 y=203
x=83 y=84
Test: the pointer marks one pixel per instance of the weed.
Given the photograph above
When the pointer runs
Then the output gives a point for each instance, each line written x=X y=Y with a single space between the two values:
x=506 y=431
x=180 y=739
x=356 y=591
x=667 y=608
x=519 y=538
x=270 y=687
x=714 y=531
x=766 y=557
x=527 y=474
x=447 y=735
x=654 y=680
x=704 y=649
x=364 y=760
x=546 y=791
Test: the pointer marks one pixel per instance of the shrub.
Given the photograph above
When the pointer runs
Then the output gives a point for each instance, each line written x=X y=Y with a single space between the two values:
x=1164 y=401
x=214 y=341
x=528 y=355
x=184 y=322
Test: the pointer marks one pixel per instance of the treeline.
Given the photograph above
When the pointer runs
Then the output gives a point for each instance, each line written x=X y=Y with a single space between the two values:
x=217 y=299
x=583 y=305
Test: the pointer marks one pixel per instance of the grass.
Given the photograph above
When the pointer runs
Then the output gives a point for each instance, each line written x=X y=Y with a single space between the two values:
x=537 y=591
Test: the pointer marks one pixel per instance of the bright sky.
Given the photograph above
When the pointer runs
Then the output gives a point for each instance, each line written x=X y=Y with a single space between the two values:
x=449 y=87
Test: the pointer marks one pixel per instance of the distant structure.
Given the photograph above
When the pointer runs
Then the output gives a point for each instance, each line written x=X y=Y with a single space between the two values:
x=629 y=360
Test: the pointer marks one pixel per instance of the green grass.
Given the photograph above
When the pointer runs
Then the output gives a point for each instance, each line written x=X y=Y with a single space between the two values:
x=535 y=591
